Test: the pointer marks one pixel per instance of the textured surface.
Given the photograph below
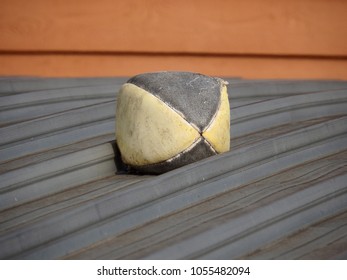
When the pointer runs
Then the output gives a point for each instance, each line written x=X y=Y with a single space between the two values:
x=281 y=192
x=195 y=96
x=147 y=130
x=166 y=120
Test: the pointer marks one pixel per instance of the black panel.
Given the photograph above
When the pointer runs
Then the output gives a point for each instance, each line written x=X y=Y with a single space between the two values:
x=195 y=95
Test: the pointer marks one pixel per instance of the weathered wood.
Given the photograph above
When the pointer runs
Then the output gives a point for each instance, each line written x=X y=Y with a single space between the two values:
x=285 y=173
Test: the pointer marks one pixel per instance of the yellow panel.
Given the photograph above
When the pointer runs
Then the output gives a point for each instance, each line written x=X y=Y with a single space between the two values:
x=218 y=132
x=147 y=130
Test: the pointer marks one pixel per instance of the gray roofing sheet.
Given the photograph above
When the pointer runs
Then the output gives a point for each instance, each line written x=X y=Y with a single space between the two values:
x=280 y=193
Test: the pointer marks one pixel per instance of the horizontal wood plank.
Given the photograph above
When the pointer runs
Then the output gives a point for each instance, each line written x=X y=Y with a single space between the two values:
x=305 y=27
x=128 y=65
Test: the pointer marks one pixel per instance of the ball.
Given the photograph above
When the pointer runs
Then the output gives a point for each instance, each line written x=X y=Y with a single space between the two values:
x=165 y=120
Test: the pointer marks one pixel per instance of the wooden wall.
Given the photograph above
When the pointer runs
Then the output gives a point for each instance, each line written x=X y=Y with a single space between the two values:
x=250 y=38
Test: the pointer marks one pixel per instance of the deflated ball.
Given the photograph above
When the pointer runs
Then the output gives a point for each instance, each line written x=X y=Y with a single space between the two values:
x=165 y=120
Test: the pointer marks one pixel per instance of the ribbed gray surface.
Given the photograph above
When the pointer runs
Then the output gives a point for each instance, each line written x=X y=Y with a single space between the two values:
x=281 y=192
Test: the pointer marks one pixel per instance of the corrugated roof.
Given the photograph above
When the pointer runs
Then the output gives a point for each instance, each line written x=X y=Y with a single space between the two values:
x=281 y=192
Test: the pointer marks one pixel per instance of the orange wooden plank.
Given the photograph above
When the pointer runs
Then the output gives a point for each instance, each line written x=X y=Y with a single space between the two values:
x=128 y=65
x=297 y=27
